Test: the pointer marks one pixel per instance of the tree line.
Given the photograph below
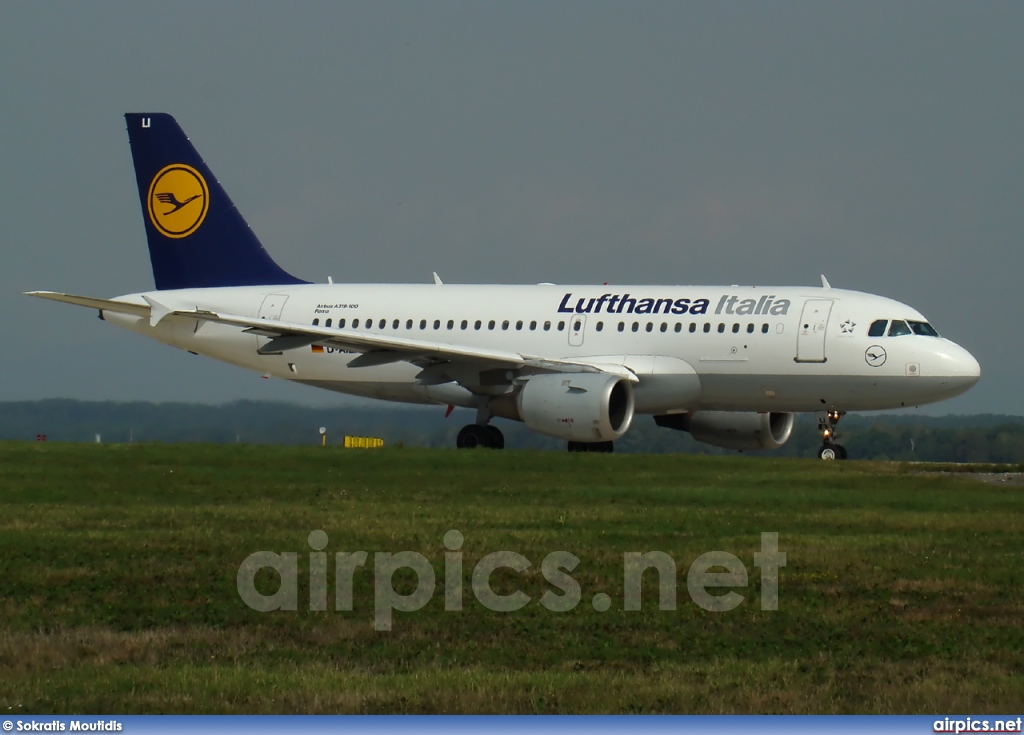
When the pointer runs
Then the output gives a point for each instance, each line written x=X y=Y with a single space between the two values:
x=905 y=437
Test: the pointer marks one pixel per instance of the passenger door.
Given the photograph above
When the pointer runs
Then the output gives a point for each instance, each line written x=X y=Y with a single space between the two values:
x=810 y=341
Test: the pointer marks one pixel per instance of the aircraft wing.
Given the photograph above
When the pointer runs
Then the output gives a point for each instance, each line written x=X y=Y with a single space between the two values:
x=375 y=349
x=379 y=349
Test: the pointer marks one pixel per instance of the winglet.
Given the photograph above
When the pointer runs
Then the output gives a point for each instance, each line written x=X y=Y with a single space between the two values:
x=437 y=279
x=824 y=282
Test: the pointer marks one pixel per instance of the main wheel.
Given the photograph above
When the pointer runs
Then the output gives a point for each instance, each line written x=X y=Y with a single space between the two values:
x=495 y=439
x=472 y=436
x=602 y=447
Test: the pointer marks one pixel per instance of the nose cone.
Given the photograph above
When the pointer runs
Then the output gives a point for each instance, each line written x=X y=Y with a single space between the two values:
x=958 y=367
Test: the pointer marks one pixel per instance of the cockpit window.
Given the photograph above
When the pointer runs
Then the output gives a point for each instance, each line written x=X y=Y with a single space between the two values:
x=898 y=328
x=923 y=328
x=878 y=328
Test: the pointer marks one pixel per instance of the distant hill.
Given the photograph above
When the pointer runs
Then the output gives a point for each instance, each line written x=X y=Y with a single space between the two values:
x=975 y=438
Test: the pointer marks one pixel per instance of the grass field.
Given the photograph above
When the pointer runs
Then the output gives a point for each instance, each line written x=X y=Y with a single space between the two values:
x=902 y=591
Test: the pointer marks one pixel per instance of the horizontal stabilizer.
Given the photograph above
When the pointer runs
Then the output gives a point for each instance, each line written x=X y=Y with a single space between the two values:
x=120 y=307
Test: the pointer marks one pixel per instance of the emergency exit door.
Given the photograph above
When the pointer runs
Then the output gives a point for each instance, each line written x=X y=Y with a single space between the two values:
x=577 y=325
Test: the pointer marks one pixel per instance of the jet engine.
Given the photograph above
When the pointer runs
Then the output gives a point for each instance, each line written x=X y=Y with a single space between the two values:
x=733 y=429
x=585 y=407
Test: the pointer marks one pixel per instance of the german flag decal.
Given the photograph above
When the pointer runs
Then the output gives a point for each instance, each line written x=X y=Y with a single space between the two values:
x=318 y=348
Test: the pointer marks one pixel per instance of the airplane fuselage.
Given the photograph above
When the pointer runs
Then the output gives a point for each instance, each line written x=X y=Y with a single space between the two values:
x=691 y=347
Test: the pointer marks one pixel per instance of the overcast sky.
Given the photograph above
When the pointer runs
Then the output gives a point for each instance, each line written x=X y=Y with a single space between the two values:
x=638 y=142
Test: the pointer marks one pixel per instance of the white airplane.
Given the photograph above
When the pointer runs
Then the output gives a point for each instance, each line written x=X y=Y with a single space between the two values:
x=730 y=365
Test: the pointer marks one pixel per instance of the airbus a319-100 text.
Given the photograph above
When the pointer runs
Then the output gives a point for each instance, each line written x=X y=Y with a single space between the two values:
x=730 y=365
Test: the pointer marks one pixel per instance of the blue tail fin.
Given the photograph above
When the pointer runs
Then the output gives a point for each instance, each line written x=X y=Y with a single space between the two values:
x=197 y=238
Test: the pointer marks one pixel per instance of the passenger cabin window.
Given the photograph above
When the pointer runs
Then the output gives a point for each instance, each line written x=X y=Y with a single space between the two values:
x=877 y=328
x=923 y=328
x=327 y=323
x=898 y=328
x=341 y=324
x=316 y=322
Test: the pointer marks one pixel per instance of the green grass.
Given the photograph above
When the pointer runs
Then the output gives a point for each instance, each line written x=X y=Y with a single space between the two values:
x=902 y=590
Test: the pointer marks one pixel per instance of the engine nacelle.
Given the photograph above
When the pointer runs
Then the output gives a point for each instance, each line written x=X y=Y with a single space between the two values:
x=733 y=429
x=585 y=407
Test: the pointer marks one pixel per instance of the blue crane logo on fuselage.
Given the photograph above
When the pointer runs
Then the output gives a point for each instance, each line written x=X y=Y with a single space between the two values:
x=875 y=356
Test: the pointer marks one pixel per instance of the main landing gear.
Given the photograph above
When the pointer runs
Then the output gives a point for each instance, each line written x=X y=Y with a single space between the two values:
x=481 y=434
x=827 y=426
x=601 y=447
x=472 y=436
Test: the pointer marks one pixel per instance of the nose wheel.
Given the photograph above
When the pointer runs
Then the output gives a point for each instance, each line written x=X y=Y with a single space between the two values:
x=831 y=452
x=827 y=426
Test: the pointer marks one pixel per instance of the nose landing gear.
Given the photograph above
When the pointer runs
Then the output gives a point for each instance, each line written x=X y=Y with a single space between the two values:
x=827 y=426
